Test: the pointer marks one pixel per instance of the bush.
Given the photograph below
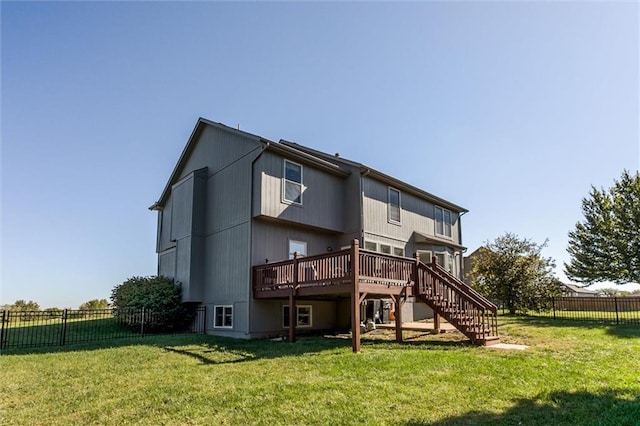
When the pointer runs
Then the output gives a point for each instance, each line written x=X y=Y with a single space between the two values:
x=161 y=299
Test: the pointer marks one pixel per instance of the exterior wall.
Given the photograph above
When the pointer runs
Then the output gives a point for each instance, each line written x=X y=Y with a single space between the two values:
x=205 y=225
x=416 y=214
x=270 y=240
x=322 y=196
x=267 y=316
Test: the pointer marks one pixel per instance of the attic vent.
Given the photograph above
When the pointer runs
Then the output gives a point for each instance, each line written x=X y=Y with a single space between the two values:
x=337 y=154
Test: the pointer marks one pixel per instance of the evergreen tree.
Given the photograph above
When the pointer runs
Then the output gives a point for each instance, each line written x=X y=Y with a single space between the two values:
x=606 y=245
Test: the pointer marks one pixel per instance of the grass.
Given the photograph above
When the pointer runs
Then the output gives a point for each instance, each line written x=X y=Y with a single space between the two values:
x=573 y=374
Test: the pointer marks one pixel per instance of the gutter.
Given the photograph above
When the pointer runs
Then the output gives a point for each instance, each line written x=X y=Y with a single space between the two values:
x=363 y=174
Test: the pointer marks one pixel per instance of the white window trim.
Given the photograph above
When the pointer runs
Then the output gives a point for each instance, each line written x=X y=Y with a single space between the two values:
x=444 y=223
x=303 y=243
x=393 y=250
x=429 y=257
x=395 y=222
x=371 y=242
x=285 y=180
x=297 y=316
x=388 y=246
x=215 y=316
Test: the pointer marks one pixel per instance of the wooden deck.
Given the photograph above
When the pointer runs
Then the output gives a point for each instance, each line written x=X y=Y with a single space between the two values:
x=373 y=274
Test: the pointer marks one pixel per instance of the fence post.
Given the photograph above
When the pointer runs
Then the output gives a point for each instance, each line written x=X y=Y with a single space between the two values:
x=553 y=304
x=142 y=322
x=615 y=301
x=4 y=317
x=63 y=333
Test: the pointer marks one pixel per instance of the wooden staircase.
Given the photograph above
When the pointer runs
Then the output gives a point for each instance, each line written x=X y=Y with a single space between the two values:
x=463 y=307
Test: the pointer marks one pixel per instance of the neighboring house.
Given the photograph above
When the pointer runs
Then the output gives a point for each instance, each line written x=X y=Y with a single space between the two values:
x=572 y=290
x=467 y=263
x=236 y=201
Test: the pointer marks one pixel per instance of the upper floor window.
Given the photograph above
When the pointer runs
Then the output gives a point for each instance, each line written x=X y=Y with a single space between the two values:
x=443 y=222
x=394 y=205
x=292 y=183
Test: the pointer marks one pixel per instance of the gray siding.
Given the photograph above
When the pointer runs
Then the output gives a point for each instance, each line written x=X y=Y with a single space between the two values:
x=207 y=215
x=267 y=316
x=270 y=240
x=167 y=264
x=416 y=214
x=322 y=196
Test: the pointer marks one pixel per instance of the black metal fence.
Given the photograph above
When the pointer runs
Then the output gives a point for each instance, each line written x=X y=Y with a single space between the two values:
x=23 y=329
x=612 y=310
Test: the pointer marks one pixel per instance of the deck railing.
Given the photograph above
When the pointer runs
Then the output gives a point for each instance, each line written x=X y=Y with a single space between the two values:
x=324 y=269
x=384 y=269
x=334 y=268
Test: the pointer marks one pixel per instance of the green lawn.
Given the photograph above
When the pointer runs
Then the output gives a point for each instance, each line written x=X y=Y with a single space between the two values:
x=573 y=374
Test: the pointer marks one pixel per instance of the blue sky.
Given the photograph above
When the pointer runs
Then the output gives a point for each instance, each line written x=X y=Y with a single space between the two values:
x=510 y=109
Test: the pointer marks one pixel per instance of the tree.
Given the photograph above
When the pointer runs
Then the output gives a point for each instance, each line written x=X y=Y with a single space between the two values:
x=95 y=304
x=606 y=245
x=159 y=296
x=22 y=305
x=513 y=271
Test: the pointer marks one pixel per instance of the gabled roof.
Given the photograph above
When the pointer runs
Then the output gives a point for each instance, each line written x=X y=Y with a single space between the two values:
x=390 y=180
x=574 y=288
x=330 y=163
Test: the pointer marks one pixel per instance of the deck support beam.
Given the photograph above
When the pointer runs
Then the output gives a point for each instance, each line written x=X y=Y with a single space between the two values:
x=293 y=311
x=398 y=302
x=293 y=317
x=436 y=321
x=355 y=296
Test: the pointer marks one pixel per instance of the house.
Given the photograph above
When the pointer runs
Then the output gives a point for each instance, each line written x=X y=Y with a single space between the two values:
x=264 y=234
x=468 y=261
x=572 y=290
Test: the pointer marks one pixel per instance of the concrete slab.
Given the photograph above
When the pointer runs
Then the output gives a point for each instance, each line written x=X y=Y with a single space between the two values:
x=418 y=326
x=508 y=346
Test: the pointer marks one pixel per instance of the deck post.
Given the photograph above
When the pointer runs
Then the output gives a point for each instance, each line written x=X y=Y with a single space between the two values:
x=436 y=317
x=355 y=296
x=293 y=314
x=399 y=299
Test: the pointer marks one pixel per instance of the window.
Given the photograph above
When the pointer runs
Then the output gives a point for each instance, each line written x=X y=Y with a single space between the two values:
x=394 y=205
x=384 y=248
x=292 y=183
x=443 y=222
x=398 y=251
x=303 y=316
x=223 y=316
x=370 y=245
x=297 y=246
x=445 y=260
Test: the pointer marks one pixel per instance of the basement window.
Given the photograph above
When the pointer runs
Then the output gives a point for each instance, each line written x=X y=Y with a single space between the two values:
x=303 y=315
x=223 y=316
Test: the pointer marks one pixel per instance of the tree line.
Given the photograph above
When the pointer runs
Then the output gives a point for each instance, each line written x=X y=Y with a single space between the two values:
x=603 y=247
x=23 y=305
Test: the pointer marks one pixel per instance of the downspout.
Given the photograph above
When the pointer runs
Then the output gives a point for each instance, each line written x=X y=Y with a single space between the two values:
x=250 y=298
x=363 y=174
x=461 y=266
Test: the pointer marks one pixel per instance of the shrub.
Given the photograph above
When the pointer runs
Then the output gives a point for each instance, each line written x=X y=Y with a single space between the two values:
x=161 y=299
